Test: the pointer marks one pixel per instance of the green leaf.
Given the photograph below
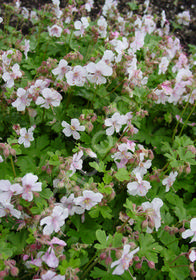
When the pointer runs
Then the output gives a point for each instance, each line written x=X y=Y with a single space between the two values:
x=122 y=175
x=149 y=248
x=100 y=167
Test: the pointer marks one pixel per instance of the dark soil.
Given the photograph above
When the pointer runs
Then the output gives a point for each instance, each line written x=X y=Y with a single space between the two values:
x=187 y=34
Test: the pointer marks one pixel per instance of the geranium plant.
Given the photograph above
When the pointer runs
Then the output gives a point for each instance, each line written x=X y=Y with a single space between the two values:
x=97 y=152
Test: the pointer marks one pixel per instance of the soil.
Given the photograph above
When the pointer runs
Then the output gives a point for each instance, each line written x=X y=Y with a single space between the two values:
x=186 y=34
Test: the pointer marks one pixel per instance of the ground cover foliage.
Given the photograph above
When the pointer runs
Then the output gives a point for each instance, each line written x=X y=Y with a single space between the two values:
x=97 y=152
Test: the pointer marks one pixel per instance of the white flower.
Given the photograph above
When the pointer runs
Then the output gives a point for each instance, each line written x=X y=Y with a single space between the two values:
x=26 y=48
x=77 y=76
x=7 y=208
x=123 y=155
x=102 y=27
x=124 y=262
x=88 y=200
x=153 y=212
x=50 y=258
x=26 y=136
x=55 y=221
x=69 y=203
x=1 y=19
x=61 y=69
x=142 y=167
x=81 y=26
x=168 y=182
x=33 y=16
x=9 y=77
x=89 y=5
x=98 y=70
x=55 y=31
x=190 y=232
x=1 y=159
x=73 y=128
x=184 y=18
x=25 y=13
x=7 y=190
x=22 y=100
x=139 y=187
x=76 y=162
x=108 y=57
x=163 y=65
x=30 y=185
x=51 y=275
x=51 y=98
x=115 y=123
x=192 y=256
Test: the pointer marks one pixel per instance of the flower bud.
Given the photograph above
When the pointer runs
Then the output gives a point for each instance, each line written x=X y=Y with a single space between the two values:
x=151 y=264
x=108 y=260
x=136 y=258
x=14 y=271
x=103 y=256
x=144 y=224
x=138 y=265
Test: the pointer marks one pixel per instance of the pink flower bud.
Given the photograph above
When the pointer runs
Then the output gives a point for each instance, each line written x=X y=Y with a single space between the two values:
x=14 y=271
x=6 y=152
x=103 y=256
x=151 y=264
x=108 y=260
x=144 y=224
x=138 y=265
x=136 y=258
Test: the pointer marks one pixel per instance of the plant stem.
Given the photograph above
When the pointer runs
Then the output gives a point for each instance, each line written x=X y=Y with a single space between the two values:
x=187 y=119
x=13 y=168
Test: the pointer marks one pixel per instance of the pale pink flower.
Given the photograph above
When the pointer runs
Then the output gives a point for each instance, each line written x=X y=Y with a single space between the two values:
x=163 y=65
x=6 y=208
x=51 y=275
x=181 y=63
x=9 y=77
x=185 y=77
x=89 y=5
x=1 y=159
x=124 y=262
x=123 y=155
x=26 y=48
x=69 y=203
x=81 y=26
x=76 y=162
x=73 y=128
x=61 y=69
x=142 y=167
x=102 y=27
x=138 y=42
x=192 y=256
x=115 y=123
x=148 y=24
x=56 y=240
x=108 y=57
x=139 y=187
x=50 y=98
x=22 y=100
x=36 y=88
x=26 y=136
x=7 y=190
x=88 y=200
x=55 y=31
x=184 y=18
x=77 y=76
x=33 y=16
x=25 y=13
x=190 y=232
x=30 y=185
x=55 y=221
x=168 y=181
x=152 y=210
x=97 y=71
x=50 y=258
x=1 y=19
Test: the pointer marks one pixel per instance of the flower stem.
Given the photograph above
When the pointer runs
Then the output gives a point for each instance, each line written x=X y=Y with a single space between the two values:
x=13 y=168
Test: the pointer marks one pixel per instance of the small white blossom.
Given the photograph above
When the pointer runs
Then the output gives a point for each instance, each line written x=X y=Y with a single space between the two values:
x=55 y=31
x=9 y=77
x=6 y=208
x=22 y=100
x=192 y=256
x=61 y=69
x=152 y=210
x=55 y=221
x=50 y=258
x=26 y=48
x=25 y=13
x=139 y=187
x=102 y=27
x=73 y=128
x=97 y=71
x=163 y=65
x=7 y=190
x=76 y=162
x=115 y=123
x=190 y=232
x=124 y=262
x=77 y=76
x=30 y=185
x=26 y=136
x=1 y=19
x=168 y=182
x=69 y=203
x=50 y=98
x=184 y=18
x=88 y=200
x=81 y=26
